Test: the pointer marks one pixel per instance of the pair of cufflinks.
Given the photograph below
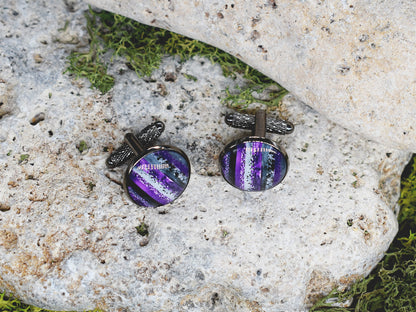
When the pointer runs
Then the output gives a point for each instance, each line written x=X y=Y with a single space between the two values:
x=159 y=174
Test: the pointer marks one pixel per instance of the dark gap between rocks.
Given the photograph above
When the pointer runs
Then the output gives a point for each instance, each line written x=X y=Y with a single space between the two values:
x=408 y=169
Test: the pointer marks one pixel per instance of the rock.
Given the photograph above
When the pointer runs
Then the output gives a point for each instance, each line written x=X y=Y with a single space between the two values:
x=350 y=60
x=6 y=98
x=38 y=58
x=71 y=240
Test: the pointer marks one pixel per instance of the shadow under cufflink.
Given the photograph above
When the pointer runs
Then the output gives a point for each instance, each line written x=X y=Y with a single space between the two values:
x=156 y=175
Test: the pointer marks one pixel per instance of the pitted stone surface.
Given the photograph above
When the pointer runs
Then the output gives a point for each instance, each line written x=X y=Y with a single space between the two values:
x=68 y=232
x=351 y=60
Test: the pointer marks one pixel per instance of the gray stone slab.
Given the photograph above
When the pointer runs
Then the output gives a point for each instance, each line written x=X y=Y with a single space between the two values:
x=68 y=238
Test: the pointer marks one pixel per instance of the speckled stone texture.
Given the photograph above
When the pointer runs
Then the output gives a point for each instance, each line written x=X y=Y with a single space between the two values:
x=68 y=232
x=352 y=60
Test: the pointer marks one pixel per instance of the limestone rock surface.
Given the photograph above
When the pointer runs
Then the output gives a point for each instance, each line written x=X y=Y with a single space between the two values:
x=351 y=60
x=68 y=233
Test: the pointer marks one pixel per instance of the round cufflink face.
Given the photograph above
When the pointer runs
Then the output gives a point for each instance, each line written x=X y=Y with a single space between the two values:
x=158 y=177
x=253 y=164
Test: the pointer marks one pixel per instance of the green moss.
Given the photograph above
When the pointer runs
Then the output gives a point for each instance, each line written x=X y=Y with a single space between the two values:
x=9 y=304
x=408 y=199
x=85 y=65
x=82 y=146
x=247 y=95
x=143 y=47
x=91 y=186
x=23 y=158
x=391 y=286
x=89 y=64
x=143 y=229
x=190 y=77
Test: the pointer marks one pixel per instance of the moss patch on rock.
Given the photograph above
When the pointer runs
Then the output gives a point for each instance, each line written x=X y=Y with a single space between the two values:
x=144 y=46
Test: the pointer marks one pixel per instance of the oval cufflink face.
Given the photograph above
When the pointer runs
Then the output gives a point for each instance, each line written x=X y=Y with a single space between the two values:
x=253 y=164
x=158 y=177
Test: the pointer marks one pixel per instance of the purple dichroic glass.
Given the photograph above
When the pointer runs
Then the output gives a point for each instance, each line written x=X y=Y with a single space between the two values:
x=225 y=164
x=280 y=169
x=139 y=200
x=156 y=174
x=257 y=167
x=158 y=178
x=253 y=166
x=147 y=183
x=239 y=163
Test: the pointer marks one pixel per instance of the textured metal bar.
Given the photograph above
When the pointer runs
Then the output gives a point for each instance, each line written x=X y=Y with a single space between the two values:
x=279 y=126
x=260 y=123
x=134 y=144
x=245 y=121
x=146 y=137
